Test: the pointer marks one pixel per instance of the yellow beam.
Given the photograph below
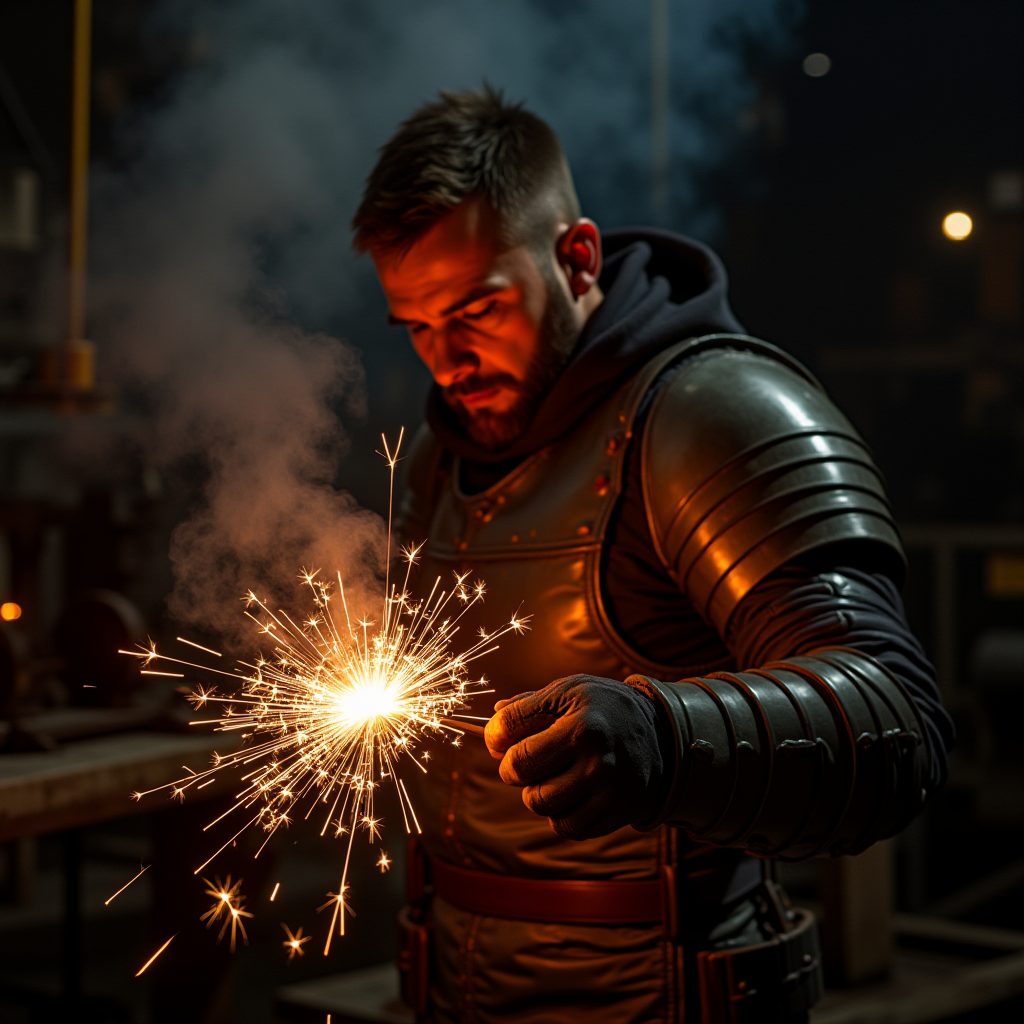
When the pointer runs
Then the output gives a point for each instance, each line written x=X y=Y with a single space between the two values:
x=79 y=183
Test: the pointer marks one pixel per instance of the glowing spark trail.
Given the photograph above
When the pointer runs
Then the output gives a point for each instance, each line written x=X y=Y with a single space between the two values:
x=155 y=955
x=340 y=705
x=107 y=902
x=200 y=647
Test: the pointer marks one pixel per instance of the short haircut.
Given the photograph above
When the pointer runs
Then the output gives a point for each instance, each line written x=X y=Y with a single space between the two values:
x=464 y=145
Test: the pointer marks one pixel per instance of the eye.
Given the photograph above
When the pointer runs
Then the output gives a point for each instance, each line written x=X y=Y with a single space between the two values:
x=479 y=314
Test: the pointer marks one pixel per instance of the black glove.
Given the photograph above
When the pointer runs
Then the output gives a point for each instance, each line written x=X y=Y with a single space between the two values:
x=586 y=752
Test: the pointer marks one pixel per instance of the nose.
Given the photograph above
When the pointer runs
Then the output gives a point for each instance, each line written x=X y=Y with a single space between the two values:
x=449 y=360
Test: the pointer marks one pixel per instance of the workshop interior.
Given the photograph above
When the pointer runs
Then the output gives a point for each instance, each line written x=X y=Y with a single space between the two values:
x=197 y=374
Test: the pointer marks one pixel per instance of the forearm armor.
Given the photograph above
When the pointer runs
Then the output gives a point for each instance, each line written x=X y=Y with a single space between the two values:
x=822 y=747
x=818 y=754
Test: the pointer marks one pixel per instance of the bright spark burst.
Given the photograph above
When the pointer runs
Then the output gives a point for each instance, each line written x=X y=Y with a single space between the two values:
x=340 y=704
x=384 y=863
x=228 y=904
x=294 y=942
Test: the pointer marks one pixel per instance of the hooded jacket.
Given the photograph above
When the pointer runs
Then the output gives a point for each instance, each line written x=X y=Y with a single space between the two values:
x=659 y=290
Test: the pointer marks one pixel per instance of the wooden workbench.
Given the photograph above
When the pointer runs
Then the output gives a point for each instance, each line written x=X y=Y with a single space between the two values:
x=91 y=780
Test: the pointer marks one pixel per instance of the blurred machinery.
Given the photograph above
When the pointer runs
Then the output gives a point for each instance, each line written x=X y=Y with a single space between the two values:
x=92 y=629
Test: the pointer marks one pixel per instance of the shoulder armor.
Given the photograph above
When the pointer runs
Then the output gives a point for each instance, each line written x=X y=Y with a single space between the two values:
x=424 y=472
x=747 y=465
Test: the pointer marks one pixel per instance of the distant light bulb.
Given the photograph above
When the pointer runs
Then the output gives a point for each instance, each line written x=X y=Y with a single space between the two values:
x=957 y=226
x=817 y=64
x=9 y=611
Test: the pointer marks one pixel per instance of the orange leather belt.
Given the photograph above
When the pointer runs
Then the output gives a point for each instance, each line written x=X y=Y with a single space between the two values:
x=568 y=901
x=585 y=901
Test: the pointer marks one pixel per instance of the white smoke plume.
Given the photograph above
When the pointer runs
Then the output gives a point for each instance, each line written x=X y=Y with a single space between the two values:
x=222 y=244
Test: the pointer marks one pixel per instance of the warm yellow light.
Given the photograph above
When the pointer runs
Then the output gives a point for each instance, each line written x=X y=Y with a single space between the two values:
x=366 y=701
x=9 y=611
x=957 y=226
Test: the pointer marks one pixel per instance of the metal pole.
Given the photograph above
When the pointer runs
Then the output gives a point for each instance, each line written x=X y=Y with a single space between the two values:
x=659 y=108
x=78 y=206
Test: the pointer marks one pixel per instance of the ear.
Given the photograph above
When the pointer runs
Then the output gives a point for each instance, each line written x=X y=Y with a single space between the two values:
x=578 y=250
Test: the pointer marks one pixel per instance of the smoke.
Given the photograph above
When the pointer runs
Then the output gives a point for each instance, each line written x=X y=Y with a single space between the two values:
x=222 y=245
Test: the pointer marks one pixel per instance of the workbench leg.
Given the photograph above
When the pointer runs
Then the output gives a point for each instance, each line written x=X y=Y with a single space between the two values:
x=856 y=896
x=71 y=947
x=19 y=872
x=193 y=980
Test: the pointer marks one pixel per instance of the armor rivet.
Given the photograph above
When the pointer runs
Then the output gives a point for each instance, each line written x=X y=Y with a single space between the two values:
x=455 y=775
x=601 y=485
x=447 y=831
x=613 y=444
x=451 y=816
x=583 y=529
x=463 y=545
x=479 y=513
x=515 y=538
x=501 y=499
x=742 y=986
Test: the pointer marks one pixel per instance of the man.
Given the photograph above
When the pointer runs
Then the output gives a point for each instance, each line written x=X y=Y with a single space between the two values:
x=672 y=502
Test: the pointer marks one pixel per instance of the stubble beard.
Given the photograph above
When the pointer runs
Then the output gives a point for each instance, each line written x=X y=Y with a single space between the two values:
x=558 y=336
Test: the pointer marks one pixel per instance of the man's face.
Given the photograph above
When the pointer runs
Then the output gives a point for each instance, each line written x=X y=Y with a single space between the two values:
x=492 y=328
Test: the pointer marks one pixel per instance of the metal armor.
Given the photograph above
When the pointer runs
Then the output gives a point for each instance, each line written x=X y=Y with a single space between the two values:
x=746 y=465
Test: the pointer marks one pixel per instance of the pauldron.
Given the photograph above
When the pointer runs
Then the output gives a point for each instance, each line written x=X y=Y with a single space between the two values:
x=747 y=465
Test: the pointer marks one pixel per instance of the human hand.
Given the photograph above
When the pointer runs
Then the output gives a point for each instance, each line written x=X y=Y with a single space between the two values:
x=586 y=752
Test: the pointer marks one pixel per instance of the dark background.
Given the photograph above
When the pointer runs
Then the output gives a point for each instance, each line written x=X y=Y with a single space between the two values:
x=824 y=195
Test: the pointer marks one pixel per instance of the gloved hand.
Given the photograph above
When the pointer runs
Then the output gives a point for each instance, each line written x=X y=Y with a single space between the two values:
x=586 y=752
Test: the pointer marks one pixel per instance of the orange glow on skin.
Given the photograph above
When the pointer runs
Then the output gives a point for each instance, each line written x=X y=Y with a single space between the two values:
x=472 y=304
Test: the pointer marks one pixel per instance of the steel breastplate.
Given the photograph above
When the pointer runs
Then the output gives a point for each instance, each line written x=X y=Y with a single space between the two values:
x=536 y=539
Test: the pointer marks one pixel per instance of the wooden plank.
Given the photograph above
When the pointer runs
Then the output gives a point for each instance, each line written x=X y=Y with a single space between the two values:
x=368 y=996
x=972 y=988
x=92 y=780
x=956 y=935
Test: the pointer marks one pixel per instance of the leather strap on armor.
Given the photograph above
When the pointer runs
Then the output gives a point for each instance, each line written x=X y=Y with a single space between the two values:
x=823 y=753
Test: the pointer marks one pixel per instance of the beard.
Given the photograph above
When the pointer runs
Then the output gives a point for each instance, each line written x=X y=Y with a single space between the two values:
x=558 y=335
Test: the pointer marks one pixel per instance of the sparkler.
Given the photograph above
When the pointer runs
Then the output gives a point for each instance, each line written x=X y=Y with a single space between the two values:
x=339 y=706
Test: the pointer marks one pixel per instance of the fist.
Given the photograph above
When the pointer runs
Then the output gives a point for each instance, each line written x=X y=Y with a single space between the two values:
x=586 y=753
